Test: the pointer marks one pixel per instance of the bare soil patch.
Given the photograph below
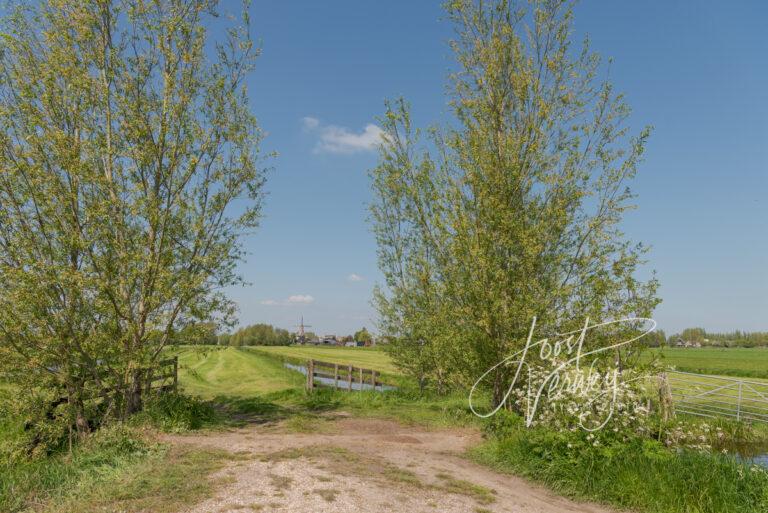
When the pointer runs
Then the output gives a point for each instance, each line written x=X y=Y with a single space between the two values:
x=365 y=465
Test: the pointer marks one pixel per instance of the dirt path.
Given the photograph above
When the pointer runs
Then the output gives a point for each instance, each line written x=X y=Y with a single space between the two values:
x=365 y=465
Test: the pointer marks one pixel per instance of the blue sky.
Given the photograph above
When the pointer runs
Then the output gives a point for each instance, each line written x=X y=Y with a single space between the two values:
x=696 y=71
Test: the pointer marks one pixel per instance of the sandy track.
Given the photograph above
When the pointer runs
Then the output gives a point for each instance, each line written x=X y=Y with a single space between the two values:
x=366 y=465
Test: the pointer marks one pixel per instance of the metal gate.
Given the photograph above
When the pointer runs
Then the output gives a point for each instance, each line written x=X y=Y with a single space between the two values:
x=716 y=396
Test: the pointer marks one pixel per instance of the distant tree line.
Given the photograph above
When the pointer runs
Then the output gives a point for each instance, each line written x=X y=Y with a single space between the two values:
x=257 y=335
x=206 y=333
x=731 y=339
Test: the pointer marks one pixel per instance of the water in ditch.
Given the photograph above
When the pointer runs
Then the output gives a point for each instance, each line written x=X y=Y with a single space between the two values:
x=341 y=384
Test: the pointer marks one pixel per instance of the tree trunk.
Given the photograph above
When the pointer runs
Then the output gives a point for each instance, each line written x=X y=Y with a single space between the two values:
x=498 y=388
x=133 y=399
x=77 y=408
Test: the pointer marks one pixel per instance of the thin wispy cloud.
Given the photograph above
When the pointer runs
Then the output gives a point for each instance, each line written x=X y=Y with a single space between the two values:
x=298 y=299
x=310 y=123
x=339 y=139
x=301 y=299
x=354 y=277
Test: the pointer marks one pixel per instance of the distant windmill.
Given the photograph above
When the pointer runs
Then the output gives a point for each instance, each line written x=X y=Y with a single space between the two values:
x=301 y=327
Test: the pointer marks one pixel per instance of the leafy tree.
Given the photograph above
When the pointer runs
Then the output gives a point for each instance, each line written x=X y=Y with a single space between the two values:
x=694 y=334
x=512 y=210
x=126 y=138
x=736 y=338
x=260 y=335
x=363 y=336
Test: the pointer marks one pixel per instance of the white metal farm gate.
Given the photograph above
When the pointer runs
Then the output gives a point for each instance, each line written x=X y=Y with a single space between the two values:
x=717 y=396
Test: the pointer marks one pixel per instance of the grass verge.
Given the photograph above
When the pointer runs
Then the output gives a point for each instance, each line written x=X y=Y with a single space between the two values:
x=119 y=468
x=640 y=475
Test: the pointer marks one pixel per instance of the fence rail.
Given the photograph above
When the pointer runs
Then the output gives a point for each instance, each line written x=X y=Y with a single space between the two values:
x=163 y=377
x=171 y=373
x=716 y=396
x=344 y=377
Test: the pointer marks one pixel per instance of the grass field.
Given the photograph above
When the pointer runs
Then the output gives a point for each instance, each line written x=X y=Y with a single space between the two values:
x=369 y=358
x=750 y=363
x=745 y=362
x=209 y=371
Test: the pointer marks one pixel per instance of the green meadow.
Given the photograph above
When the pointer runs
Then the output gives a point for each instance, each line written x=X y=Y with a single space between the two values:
x=210 y=371
x=743 y=362
x=366 y=357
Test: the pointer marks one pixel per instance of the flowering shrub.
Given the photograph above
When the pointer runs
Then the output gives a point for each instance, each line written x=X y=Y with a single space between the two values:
x=691 y=435
x=608 y=404
x=603 y=409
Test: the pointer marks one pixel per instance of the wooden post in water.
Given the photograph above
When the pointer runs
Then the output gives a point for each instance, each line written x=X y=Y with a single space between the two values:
x=311 y=375
x=335 y=375
x=349 y=378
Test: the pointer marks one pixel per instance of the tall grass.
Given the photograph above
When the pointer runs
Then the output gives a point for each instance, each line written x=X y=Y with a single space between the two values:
x=117 y=463
x=35 y=481
x=640 y=475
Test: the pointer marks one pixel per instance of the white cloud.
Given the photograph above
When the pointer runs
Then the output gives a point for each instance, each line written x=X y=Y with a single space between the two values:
x=354 y=277
x=338 y=139
x=298 y=299
x=301 y=299
x=310 y=123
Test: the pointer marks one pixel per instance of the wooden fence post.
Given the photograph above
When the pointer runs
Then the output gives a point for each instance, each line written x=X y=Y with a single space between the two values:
x=666 y=408
x=349 y=378
x=373 y=379
x=311 y=375
x=361 y=380
x=335 y=375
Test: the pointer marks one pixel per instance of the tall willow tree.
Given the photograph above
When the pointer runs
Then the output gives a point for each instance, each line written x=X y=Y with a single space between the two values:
x=125 y=141
x=512 y=210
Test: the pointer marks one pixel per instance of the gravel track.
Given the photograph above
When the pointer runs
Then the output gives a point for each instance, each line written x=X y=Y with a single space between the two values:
x=365 y=465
